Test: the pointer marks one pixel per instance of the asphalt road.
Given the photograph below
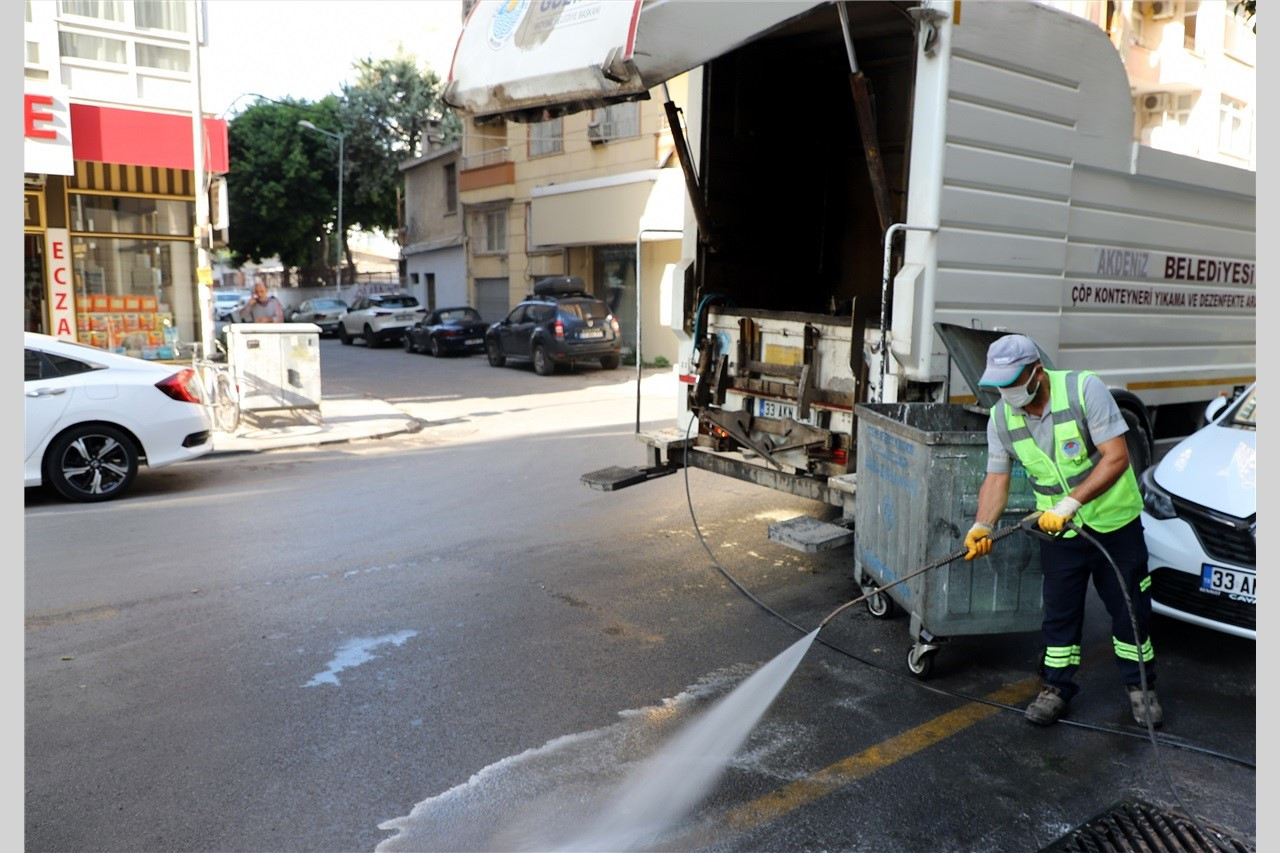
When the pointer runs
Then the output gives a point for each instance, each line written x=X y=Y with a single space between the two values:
x=443 y=641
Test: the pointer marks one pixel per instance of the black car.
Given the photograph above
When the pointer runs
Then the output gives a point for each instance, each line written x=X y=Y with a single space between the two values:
x=447 y=330
x=559 y=323
x=323 y=312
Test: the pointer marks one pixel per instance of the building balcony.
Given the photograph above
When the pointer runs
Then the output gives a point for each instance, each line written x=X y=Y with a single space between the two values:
x=487 y=169
x=1170 y=68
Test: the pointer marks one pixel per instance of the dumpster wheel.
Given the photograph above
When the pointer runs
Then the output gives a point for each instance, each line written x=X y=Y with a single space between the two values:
x=920 y=659
x=880 y=605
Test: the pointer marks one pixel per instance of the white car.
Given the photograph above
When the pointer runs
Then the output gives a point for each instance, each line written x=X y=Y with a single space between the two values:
x=1200 y=517
x=380 y=317
x=226 y=302
x=92 y=417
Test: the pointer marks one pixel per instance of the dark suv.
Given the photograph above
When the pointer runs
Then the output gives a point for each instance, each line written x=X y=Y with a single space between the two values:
x=559 y=323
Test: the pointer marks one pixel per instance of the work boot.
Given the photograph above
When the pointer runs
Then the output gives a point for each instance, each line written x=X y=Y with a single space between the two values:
x=1047 y=707
x=1151 y=709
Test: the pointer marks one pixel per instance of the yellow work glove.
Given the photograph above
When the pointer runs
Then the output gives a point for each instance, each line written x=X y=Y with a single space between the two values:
x=1054 y=520
x=978 y=541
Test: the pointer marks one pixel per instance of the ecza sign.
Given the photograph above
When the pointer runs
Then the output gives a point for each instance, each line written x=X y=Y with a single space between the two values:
x=61 y=298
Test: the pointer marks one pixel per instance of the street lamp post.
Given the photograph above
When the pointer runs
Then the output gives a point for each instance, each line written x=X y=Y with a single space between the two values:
x=341 y=138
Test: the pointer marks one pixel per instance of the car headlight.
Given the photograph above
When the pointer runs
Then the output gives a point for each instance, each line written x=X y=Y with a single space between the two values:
x=1155 y=500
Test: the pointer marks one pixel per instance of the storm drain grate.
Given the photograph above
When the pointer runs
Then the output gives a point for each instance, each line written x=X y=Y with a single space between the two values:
x=1138 y=826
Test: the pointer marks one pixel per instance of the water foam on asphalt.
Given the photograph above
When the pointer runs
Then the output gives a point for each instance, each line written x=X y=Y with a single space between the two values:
x=546 y=798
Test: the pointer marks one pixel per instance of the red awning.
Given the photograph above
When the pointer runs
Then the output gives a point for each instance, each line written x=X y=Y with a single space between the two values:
x=138 y=138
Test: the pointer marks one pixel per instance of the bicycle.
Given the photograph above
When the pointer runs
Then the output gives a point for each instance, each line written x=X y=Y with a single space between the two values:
x=218 y=392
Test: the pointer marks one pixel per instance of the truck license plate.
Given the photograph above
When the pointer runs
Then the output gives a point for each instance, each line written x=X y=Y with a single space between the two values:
x=1236 y=583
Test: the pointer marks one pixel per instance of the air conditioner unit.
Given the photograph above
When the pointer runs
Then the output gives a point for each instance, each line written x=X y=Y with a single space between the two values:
x=1162 y=10
x=1157 y=102
x=597 y=132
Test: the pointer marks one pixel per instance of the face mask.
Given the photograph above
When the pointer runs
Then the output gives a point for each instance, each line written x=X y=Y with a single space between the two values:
x=1022 y=395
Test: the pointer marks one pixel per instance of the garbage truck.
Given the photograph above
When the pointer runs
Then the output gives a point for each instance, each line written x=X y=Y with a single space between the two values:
x=875 y=191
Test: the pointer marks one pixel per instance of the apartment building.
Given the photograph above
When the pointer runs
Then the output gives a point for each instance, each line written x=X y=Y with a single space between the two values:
x=598 y=194
x=1192 y=67
x=110 y=116
x=433 y=249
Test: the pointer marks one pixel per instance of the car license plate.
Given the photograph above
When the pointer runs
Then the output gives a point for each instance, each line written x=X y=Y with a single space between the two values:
x=1235 y=583
x=471 y=342
x=591 y=333
x=404 y=316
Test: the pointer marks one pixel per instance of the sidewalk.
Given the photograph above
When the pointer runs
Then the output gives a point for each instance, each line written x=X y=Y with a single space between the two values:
x=337 y=420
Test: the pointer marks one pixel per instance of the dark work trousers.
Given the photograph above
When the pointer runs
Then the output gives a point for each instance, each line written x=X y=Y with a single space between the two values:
x=1068 y=564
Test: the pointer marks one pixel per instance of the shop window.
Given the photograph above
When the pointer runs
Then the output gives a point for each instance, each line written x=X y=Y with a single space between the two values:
x=104 y=214
x=104 y=10
x=126 y=288
x=96 y=48
x=164 y=58
x=546 y=137
x=161 y=15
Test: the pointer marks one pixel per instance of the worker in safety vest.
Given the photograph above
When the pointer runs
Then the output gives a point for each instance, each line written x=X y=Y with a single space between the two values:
x=1066 y=430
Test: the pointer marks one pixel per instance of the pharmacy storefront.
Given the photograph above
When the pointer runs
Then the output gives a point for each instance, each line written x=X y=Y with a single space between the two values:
x=109 y=223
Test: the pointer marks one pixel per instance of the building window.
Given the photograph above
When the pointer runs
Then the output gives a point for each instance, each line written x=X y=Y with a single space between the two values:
x=165 y=58
x=1235 y=128
x=161 y=15
x=413 y=278
x=33 y=53
x=490 y=230
x=451 y=188
x=96 y=48
x=546 y=137
x=109 y=214
x=617 y=121
x=1239 y=41
x=1165 y=120
x=1189 y=24
x=105 y=10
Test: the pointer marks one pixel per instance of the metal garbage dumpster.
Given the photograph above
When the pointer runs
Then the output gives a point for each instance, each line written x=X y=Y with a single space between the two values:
x=275 y=365
x=920 y=466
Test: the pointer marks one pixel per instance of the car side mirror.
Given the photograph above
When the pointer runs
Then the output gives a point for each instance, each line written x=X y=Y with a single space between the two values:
x=1215 y=407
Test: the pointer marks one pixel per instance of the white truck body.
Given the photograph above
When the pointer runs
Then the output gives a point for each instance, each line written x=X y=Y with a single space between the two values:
x=1005 y=131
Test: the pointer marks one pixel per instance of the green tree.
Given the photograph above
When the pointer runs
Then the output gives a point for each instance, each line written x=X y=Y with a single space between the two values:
x=388 y=114
x=1248 y=9
x=281 y=185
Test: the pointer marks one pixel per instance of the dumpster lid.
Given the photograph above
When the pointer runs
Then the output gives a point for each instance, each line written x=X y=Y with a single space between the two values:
x=968 y=347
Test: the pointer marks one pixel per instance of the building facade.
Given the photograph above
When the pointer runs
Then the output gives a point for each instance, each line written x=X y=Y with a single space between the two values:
x=597 y=194
x=112 y=257
x=434 y=250
x=1192 y=67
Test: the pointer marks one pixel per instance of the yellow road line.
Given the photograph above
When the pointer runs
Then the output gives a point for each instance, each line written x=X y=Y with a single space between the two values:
x=836 y=776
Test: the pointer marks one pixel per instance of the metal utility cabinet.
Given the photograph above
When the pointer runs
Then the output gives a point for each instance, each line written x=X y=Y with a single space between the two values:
x=920 y=466
x=275 y=365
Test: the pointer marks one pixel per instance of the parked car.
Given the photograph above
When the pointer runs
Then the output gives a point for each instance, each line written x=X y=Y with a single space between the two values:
x=92 y=417
x=226 y=302
x=379 y=318
x=447 y=331
x=559 y=323
x=323 y=312
x=1200 y=518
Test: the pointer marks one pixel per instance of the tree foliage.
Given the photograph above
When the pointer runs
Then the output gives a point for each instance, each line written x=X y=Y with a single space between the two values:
x=1248 y=9
x=283 y=184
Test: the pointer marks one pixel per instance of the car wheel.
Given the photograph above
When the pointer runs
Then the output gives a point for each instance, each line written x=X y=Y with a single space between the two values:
x=542 y=362
x=435 y=347
x=496 y=358
x=610 y=362
x=407 y=340
x=343 y=336
x=370 y=339
x=91 y=463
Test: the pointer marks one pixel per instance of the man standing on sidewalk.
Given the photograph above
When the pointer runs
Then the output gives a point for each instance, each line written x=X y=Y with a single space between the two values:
x=262 y=308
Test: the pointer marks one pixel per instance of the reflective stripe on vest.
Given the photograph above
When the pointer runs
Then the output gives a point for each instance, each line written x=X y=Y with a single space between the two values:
x=1074 y=455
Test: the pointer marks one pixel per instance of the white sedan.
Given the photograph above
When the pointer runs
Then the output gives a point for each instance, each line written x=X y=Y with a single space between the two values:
x=1200 y=519
x=92 y=417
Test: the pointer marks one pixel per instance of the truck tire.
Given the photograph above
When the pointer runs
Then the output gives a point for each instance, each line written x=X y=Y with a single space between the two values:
x=1139 y=443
